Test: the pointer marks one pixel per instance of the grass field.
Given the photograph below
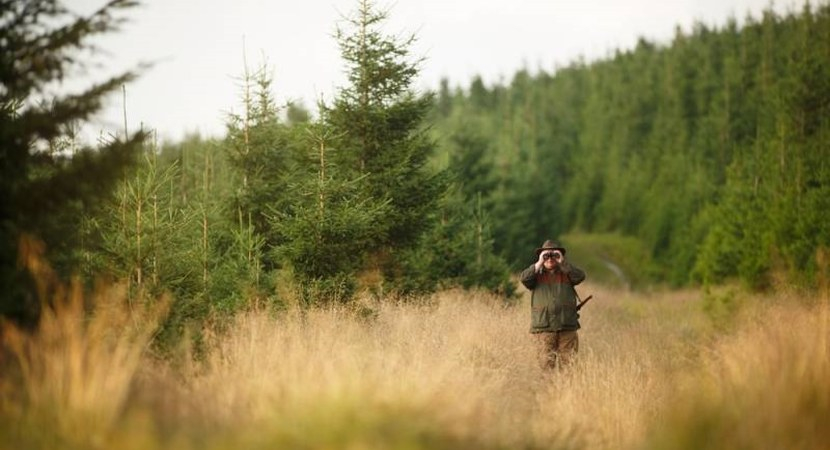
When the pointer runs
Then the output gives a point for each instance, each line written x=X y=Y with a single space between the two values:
x=688 y=369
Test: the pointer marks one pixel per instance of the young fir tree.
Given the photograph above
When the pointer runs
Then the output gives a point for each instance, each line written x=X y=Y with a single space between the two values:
x=260 y=150
x=300 y=215
x=381 y=138
x=326 y=225
x=43 y=191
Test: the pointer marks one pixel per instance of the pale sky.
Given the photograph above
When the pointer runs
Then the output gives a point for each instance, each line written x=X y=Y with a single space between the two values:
x=197 y=47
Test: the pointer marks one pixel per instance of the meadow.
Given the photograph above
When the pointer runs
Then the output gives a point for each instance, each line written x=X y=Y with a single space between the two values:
x=718 y=173
x=680 y=369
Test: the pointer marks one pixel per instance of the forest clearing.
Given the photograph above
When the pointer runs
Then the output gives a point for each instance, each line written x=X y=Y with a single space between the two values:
x=349 y=279
x=678 y=369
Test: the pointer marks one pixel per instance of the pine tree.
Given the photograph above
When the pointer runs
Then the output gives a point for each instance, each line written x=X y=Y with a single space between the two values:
x=43 y=191
x=381 y=137
x=260 y=149
x=326 y=225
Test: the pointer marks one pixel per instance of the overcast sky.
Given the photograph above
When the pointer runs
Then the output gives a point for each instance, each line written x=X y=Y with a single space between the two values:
x=197 y=46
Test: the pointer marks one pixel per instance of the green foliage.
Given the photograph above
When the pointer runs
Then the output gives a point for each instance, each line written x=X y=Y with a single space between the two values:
x=312 y=219
x=262 y=154
x=381 y=140
x=326 y=195
x=613 y=259
x=459 y=249
x=165 y=229
x=457 y=252
x=357 y=192
x=47 y=182
x=710 y=151
x=136 y=237
x=326 y=227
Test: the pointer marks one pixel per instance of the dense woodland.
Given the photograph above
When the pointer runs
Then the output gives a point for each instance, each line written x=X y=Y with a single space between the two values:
x=700 y=160
x=711 y=150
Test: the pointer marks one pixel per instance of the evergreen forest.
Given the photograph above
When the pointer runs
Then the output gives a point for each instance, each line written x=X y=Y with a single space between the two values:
x=697 y=161
x=702 y=160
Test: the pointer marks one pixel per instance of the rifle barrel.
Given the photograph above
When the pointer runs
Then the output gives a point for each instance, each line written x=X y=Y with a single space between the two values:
x=583 y=302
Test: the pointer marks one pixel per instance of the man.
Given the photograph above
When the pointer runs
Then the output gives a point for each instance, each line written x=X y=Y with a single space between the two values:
x=554 y=319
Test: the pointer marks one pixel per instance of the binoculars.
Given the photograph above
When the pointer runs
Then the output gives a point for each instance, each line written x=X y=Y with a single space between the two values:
x=554 y=255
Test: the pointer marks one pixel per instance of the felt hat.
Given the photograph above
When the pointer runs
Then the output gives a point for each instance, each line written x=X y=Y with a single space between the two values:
x=550 y=245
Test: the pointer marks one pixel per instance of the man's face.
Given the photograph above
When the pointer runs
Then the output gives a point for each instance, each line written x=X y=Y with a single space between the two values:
x=551 y=258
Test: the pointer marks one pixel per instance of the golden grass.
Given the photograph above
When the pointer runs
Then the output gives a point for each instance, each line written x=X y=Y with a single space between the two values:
x=451 y=364
x=75 y=371
x=456 y=372
x=767 y=385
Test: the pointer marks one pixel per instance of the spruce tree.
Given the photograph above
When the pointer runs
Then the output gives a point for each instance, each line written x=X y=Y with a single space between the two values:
x=44 y=186
x=326 y=225
x=259 y=148
x=381 y=137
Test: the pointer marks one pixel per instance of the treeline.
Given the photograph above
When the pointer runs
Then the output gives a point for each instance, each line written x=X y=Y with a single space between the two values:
x=693 y=162
x=285 y=209
x=713 y=151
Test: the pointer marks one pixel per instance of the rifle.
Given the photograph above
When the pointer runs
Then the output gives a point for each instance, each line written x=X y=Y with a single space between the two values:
x=583 y=302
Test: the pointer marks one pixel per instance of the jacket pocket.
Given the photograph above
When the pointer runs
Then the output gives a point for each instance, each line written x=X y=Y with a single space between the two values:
x=539 y=317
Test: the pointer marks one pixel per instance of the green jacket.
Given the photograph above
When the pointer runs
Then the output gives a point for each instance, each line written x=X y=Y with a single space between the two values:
x=553 y=301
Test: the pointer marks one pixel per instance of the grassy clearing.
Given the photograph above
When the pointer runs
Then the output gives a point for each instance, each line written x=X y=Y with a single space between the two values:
x=655 y=371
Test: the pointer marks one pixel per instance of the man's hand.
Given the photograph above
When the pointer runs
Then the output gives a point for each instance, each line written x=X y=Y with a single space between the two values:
x=561 y=262
x=541 y=262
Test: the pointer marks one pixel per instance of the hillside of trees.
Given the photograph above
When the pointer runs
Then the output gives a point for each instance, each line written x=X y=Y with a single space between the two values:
x=707 y=157
x=696 y=161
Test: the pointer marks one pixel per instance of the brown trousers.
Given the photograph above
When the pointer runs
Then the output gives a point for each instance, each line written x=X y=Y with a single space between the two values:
x=556 y=349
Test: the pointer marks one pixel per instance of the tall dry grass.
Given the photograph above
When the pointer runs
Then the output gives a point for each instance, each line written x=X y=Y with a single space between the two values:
x=463 y=364
x=765 y=385
x=451 y=371
x=73 y=374
x=458 y=371
x=66 y=382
